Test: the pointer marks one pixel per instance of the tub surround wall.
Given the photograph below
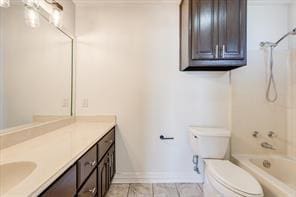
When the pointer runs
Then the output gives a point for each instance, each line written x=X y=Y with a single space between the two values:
x=268 y=21
x=128 y=65
x=291 y=132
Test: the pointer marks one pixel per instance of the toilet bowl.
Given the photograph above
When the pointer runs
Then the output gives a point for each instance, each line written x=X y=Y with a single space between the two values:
x=221 y=177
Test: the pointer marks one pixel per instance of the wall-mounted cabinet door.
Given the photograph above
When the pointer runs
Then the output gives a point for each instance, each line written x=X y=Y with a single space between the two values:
x=212 y=35
x=204 y=39
x=232 y=29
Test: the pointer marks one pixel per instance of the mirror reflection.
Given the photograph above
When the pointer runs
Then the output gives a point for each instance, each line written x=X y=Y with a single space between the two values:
x=35 y=69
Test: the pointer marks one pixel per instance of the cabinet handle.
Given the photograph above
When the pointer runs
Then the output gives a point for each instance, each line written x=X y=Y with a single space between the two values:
x=223 y=51
x=91 y=163
x=92 y=191
x=217 y=52
x=109 y=141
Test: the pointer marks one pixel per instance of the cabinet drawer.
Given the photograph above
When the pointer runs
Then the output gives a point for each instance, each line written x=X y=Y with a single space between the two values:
x=86 y=164
x=89 y=189
x=105 y=143
x=64 y=186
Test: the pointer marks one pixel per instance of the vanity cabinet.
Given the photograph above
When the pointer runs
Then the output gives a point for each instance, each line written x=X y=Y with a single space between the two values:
x=212 y=34
x=91 y=175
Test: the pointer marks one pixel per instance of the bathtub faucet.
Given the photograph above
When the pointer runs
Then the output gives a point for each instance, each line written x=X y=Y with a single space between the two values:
x=267 y=145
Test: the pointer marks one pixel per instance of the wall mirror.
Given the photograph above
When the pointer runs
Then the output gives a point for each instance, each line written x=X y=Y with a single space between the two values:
x=36 y=68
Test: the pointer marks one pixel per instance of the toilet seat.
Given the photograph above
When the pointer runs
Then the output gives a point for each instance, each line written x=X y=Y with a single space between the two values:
x=233 y=178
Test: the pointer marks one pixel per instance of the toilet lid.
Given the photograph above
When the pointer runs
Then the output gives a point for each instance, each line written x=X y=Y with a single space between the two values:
x=233 y=177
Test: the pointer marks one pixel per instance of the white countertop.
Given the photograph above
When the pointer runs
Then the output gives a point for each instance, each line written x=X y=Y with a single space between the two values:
x=53 y=153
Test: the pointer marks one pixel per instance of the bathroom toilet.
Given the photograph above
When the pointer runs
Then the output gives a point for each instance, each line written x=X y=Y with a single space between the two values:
x=221 y=177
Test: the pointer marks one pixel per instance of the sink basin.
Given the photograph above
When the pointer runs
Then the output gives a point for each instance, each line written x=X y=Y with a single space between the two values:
x=12 y=174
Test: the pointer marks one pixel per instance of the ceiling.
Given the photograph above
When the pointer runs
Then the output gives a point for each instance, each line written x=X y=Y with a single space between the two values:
x=125 y=1
x=171 y=1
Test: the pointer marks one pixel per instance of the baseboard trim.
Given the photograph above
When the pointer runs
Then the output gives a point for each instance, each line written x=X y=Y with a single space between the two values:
x=156 y=177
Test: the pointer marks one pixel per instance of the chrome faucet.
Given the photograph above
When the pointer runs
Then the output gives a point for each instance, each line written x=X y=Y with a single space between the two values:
x=267 y=145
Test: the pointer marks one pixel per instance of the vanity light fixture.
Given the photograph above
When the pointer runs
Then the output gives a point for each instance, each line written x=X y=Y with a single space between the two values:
x=32 y=17
x=4 y=3
x=32 y=3
x=56 y=13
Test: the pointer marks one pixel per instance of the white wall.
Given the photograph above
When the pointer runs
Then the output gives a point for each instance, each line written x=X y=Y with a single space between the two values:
x=127 y=65
x=267 y=21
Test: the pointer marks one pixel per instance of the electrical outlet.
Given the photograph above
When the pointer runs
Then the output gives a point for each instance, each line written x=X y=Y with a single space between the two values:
x=65 y=103
x=85 y=103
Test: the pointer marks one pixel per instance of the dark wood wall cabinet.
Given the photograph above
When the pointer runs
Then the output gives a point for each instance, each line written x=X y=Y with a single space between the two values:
x=213 y=35
x=91 y=175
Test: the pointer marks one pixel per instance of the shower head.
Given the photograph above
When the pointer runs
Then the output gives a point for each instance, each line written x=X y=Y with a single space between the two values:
x=293 y=32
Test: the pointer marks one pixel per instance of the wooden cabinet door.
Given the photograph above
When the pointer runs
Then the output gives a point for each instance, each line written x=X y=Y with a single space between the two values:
x=65 y=186
x=103 y=176
x=204 y=29
x=232 y=29
x=111 y=163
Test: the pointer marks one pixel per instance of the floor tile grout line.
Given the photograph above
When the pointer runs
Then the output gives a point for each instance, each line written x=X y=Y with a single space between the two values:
x=178 y=193
x=129 y=185
x=200 y=186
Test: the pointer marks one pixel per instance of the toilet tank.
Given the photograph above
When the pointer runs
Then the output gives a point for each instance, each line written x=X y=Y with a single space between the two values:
x=209 y=142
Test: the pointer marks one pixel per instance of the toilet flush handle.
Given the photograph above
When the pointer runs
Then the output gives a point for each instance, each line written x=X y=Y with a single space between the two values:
x=165 y=138
x=195 y=162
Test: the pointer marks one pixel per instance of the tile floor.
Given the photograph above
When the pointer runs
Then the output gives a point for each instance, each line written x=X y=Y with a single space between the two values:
x=155 y=190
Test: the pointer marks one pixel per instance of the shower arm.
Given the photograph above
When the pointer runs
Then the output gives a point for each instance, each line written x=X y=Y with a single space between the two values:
x=275 y=44
x=286 y=35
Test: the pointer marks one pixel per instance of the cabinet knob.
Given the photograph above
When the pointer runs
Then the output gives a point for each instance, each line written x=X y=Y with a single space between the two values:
x=109 y=141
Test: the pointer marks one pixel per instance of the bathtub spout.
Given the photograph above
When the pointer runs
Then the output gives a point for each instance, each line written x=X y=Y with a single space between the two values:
x=267 y=146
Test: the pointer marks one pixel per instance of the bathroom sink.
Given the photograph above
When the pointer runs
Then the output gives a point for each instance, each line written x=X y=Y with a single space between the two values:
x=12 y=174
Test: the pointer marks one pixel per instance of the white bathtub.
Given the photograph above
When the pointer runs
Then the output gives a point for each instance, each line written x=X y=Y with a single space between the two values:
x=278 y=180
